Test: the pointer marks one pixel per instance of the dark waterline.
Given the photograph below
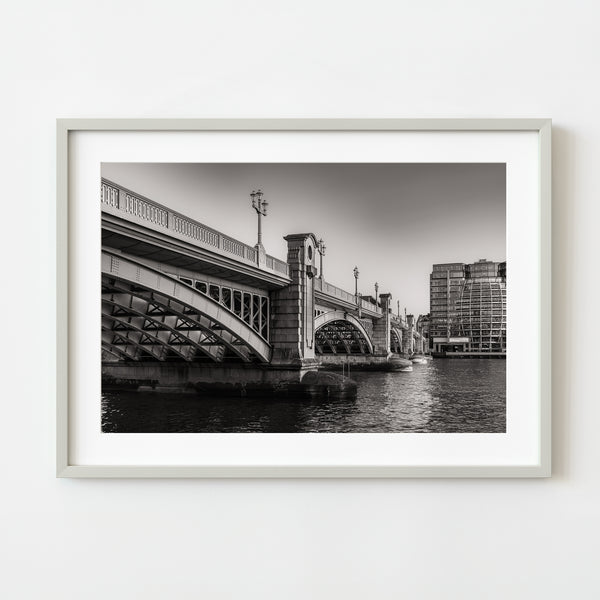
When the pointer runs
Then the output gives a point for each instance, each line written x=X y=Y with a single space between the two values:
x=445 y=395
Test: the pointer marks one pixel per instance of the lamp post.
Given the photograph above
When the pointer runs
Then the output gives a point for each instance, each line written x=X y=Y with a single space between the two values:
x=260 y=206
x=376 y=292
x=398 y=303
x=321 y=247
x=355 y=271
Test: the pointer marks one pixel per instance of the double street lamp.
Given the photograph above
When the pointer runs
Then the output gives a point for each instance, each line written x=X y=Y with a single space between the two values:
x=321 y=247
x=260 y=206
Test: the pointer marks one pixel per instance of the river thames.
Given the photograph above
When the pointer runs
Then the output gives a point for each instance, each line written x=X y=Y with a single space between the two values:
x=444 y=395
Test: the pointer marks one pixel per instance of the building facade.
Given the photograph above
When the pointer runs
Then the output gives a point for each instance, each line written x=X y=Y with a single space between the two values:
x=468 y=308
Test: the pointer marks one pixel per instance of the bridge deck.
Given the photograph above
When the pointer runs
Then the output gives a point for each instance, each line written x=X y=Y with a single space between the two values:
x=138 y=210
x=336 y=297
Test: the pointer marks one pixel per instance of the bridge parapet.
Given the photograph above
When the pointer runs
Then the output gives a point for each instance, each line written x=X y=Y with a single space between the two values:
x=370 y=308
x=121 y=202
x=399 y=322
x=334 y=291
x=345 y=298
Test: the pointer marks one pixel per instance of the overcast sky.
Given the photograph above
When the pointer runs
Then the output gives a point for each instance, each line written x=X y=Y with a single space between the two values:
x=393 y=221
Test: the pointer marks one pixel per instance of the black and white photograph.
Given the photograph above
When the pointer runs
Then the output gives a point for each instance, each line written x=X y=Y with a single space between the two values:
x=303 y=297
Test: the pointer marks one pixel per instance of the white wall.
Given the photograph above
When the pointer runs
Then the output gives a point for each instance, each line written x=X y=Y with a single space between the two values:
x=296 y=539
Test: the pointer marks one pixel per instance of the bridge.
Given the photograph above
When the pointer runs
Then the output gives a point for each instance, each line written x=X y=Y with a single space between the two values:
x=175 y=291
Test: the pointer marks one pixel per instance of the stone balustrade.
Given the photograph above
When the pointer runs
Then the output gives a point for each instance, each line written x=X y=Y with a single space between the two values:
x=128 y=205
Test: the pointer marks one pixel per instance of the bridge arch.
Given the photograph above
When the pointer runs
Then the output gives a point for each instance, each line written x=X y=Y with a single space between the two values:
x=396 y=340
x=149 y=314
x=337 y=332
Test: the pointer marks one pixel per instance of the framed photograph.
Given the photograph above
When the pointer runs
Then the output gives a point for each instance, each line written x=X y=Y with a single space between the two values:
x=303 y=298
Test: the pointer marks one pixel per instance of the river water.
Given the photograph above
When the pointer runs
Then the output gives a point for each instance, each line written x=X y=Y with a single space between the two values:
x=444 y=395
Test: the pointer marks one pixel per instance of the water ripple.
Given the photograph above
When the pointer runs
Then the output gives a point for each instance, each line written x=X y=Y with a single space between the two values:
x=444 y=395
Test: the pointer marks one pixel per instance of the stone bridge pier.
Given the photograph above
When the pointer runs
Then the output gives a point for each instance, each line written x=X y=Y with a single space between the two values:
x=408 y=342
x=382 y=328
x=292 y=308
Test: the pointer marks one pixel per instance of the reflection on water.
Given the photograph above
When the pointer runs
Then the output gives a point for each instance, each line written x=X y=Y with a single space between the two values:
x=444 y=395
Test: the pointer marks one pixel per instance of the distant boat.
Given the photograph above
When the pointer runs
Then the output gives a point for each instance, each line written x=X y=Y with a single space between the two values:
x=418 y=359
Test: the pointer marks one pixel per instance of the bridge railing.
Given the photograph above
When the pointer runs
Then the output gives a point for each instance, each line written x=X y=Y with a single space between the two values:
x=369 y=305
x=340 y=294
x=334 y=291
x=120 y=201
x=277 y=265
x=397 y=321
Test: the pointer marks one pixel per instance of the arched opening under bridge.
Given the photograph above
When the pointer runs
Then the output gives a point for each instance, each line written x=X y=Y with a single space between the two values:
x=149 y=315
x=337 y=332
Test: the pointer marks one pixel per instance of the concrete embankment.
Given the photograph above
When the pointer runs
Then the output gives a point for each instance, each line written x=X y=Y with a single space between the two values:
x=364 y=362
x=227 y=381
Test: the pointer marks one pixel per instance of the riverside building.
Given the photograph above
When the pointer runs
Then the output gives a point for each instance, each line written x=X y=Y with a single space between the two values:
x=468 y=309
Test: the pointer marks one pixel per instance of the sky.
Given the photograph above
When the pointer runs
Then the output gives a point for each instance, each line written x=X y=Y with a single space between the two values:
x=393 y=221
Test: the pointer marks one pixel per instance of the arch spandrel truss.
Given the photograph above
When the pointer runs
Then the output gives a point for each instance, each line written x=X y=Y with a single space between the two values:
x=337 y=332
x=147 y=314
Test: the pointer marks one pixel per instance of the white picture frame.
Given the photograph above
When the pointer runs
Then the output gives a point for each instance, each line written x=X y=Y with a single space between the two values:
x=69 y=364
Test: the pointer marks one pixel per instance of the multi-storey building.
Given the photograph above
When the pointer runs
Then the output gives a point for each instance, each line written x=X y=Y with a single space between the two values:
x=468 y=308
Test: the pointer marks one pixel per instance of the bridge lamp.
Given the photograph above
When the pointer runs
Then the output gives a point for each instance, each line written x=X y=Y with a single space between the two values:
x=355 y=271
x=321 y=248
x=260 y=206
x=376 y=291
